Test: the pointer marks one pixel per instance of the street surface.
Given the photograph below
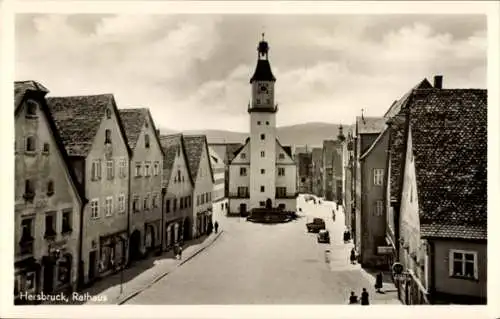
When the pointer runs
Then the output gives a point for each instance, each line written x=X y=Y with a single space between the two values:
x=268 y=264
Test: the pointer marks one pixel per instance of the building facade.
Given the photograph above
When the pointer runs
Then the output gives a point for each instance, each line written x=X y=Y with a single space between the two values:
x=145 y=183
x=328 y=180
x=348 y=198
x=93 y=136
x=263 y=172
x=304 y=176
x=338 y=171
x=219 y=201
x=367 y=131
x=177 y=219
x=317 y=171
x=226 y=151
x=203 y=180
x=48 y=200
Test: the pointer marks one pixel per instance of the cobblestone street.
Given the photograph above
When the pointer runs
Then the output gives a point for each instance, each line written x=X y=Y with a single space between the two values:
x=269 y=264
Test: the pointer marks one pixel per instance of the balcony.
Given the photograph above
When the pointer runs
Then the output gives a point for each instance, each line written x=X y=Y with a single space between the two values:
x=287 y=196
x=267 y=109
x=239 y=195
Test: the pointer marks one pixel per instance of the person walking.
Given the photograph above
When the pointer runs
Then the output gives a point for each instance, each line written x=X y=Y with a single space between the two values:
x=353 y=256
x=179 y=251
x=379 y=282
x=353 y=299
x=216 y=226
x=364 y=298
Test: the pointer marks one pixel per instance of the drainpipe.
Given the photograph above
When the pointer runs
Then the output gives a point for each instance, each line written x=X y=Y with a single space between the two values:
x=128 y=213
x=432 y=272
x=81 y=274
x=163 y=193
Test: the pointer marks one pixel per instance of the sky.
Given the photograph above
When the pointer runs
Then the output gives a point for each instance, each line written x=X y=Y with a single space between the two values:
x=193 y=71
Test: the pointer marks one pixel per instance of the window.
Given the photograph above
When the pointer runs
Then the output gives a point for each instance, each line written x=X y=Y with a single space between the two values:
x=29 y=189
x=30 y=144
x=50 y=188
x=181 y=204
x=94 y=208
x=243 y=155
x=174 y=204
x=281 y=156
x=197 y=200
x=123 y=168
x=108 y=114
x=463 y=264
x=268 y=101
x=156 y=168
x=267 y=122
x=121 y=203
x=26 y=226
x=378 y=176
x=262 y=203
x=262 y=154
x=258 y=101
x=145 y=202
x=280 y=191
x=281 y=171
x=262 y=171
x=167 y=208
x=155 y=200
x=202 y=199
x=189 y=201
x=303 y=180
x=109 y=206
x=66 y=221
x=107 y=139
x=50 y=224
x=46 y=148
x=179 y=175
x=258 y=122
x=110 y=169
x=262 y=189
x=262 y=136
x=146 y=124
x=243 y=171
x=242 y=191
x=138 y=166
x=282 y=206
x=146 y=140
x=379 y=208
x=31 y=108
x=96 y=170
x=147 y=169
x=135 y=204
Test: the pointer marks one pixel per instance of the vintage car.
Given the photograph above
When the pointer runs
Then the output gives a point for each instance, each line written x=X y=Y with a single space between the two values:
x=324 y=236
x=316 y=225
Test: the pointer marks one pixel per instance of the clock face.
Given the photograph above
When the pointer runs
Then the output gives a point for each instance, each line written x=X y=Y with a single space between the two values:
x=263 y=88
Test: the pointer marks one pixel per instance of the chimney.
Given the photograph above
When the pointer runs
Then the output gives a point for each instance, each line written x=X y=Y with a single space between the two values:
x=438 y=81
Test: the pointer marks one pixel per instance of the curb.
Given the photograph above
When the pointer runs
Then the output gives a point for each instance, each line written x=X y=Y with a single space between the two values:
x=134 y=294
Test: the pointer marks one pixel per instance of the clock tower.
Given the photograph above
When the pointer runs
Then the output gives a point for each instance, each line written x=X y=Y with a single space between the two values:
x=263 y=142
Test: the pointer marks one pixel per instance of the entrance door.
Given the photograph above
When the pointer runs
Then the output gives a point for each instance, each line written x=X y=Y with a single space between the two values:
x=243 y=209
x=92 y=264
x=48 y=277
x=135 y=246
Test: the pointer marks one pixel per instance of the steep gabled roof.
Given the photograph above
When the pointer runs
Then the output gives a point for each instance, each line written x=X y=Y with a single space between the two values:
x=263 y=72
x=370 y=125
x=194 y=148
x=237 y=152
x=449 y=140
x=231 y=150
x=78 y=119
x=133 y=122
x=401 y=103
x=374 y=144
x=170 y=144
x=23 y=89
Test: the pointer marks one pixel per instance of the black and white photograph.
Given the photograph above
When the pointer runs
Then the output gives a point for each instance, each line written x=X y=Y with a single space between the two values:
x=205 y=158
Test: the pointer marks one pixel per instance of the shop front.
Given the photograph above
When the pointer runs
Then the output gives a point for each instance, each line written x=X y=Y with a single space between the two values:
x=26 y=280
x=112 y=253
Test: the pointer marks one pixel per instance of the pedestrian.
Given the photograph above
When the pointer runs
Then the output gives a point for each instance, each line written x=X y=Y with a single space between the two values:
x=364 y=298
x=333 y=215
x=379 y=282
x=176 y=251
x=353 y=299
x=353 y=256
x=345 y=236
x=180 y=252
x=337 y=205
x=348 y=235
x=216 y=226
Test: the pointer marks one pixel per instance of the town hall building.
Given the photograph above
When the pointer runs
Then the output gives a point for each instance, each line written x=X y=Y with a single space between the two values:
x=262 y=172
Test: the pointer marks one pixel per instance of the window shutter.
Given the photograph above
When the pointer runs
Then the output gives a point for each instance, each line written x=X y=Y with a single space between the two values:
x=450 y=262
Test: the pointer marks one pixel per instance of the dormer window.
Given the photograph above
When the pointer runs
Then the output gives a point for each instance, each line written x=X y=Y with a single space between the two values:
x=146 y=140
x=107 y=139
x=243 y=155
x=30 y=144
x=108 y=114
x=282 y=156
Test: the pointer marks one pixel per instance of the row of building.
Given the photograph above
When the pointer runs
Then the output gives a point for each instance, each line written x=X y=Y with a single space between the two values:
x=415 y=192
x=320 y=169
x=97 y=187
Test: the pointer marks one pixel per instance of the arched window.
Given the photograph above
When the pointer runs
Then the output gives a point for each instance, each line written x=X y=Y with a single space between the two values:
x=30 y=144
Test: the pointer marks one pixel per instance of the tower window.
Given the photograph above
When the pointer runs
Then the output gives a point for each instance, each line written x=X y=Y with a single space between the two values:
x=262 y=136
x=30 y=144
x=262 y=171
x=262 y=154
x=258 y=122
x=262 y=189
x=268 y=101
x=267 y=122
x=258 y=101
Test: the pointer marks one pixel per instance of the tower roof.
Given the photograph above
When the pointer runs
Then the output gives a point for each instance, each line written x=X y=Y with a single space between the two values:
x=263 y=70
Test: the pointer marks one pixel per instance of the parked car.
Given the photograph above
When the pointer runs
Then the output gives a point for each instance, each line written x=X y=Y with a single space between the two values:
x=316 y=225
x=324 y=236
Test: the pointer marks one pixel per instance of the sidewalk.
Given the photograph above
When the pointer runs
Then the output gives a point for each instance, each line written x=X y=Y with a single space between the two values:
x=140 y=276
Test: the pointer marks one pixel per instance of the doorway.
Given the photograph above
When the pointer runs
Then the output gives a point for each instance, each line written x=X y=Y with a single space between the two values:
x=92 y=264
x=135 y=244
x=48 y=276
x=243 y=209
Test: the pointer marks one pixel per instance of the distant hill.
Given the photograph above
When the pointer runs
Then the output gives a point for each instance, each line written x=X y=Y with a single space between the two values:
x=310 y=134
